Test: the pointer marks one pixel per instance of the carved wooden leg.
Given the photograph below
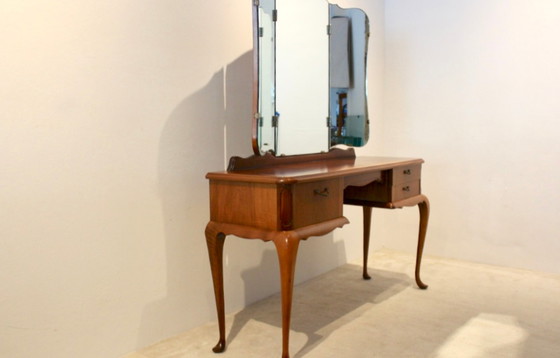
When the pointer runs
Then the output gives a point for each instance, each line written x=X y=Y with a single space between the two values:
x=424 y=207
x=286 y=247
x=215 y=241
x=367 y=231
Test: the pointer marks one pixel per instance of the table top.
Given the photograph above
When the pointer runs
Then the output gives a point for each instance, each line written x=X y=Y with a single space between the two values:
x=315 y=169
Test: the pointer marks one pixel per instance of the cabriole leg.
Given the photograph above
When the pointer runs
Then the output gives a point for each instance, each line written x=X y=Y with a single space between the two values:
x=286 y=247
x=424 y=207
x=215 y=242
x=367 y=231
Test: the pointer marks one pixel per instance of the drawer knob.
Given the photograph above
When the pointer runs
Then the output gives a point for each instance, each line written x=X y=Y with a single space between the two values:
x=406 y=188
x=319 y=192
x=406 y=172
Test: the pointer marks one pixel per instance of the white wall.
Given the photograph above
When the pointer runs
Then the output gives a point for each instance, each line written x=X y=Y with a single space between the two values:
x=111 y=114
x=473 y=87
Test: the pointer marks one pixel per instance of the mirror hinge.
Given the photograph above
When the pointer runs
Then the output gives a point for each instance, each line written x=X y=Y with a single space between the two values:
x=329 y=29
x=261 y=31
x=260 y=121
x=328 y=121
x=274 y=15
x=256 y=2
x=275 y=121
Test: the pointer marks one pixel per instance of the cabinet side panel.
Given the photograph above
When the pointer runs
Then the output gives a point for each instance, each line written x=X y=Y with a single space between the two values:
x=250 y=204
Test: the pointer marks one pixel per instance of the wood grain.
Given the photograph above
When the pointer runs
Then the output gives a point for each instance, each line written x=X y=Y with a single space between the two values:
x=315 y=202
x=289 y=199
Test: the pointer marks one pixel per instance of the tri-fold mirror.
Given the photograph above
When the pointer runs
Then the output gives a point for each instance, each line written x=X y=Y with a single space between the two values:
x=310 y=76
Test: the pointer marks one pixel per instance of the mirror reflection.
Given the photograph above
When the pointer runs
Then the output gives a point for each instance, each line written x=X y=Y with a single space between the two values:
x=311 y=91
x=348 y=43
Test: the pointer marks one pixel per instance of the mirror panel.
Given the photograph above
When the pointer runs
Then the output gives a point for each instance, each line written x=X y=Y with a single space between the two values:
x=348 y=45
x=302 y=76
x=266 y=134
x=311 y=91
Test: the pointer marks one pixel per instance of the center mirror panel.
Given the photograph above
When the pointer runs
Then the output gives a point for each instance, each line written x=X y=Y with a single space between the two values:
x=311 y=91
x=302 y=76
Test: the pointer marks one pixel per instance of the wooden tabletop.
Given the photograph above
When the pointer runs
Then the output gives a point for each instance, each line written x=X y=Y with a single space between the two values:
x=312 y=170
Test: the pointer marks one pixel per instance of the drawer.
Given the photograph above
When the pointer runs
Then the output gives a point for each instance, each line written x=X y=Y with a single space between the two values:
x=396 y=184
x=382 y=192
x=405 y=190
x=406 y=174
x=316 y=202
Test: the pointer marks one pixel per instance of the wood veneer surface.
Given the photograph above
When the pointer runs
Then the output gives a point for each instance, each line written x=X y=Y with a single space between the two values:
x=314 y=170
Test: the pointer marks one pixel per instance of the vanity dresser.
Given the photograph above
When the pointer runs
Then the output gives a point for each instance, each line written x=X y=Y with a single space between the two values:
x=289 y=198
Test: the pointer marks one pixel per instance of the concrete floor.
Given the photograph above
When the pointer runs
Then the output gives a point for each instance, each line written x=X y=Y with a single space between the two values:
x=469 y=310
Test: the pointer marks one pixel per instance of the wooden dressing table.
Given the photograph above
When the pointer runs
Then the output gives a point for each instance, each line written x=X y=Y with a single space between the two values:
x=289 y=199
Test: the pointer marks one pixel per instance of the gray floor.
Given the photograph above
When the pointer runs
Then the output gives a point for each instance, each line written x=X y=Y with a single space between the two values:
x=469 y=310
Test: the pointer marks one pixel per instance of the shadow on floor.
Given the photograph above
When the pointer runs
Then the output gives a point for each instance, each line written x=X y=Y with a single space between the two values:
x=318 y=303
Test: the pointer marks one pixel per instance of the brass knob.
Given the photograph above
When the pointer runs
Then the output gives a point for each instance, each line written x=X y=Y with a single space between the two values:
x=324 y=192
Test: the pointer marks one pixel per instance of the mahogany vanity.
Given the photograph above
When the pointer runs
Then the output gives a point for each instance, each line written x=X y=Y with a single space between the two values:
x=289 y=198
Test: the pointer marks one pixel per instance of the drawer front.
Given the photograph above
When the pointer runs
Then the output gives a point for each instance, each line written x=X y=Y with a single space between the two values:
x=316 y=202
x=405 y=190
x=406 y=174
